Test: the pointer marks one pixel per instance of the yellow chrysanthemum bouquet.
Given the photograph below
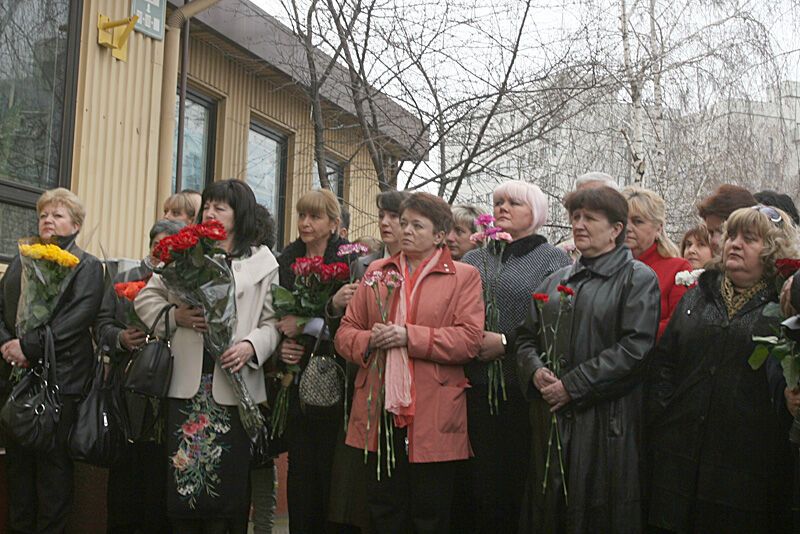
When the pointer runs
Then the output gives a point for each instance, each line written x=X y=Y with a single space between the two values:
x=46 y=272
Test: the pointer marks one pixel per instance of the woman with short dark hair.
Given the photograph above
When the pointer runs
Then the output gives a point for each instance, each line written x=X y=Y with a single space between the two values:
x=434 y=328
x=208 y=488
x=605 y=308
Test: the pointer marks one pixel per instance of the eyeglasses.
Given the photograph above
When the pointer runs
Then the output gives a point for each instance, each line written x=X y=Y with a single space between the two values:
x=771 y=213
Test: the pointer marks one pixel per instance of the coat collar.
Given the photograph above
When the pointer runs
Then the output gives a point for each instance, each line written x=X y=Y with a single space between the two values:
x=445 y=265
x=522 y=246
x=709 y=283
x=650 y=255
x=606 y=265
x=258 y=264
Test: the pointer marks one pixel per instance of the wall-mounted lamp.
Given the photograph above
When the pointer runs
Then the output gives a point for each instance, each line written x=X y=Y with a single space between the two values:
x=114 y=34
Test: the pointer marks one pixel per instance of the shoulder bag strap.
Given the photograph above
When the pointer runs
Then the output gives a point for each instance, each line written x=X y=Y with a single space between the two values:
x=151 y=331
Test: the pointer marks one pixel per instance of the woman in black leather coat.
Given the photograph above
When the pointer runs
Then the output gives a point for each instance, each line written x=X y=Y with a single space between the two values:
x=40 y=485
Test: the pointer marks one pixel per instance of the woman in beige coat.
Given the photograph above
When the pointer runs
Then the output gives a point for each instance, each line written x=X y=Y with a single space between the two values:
x=207 y=447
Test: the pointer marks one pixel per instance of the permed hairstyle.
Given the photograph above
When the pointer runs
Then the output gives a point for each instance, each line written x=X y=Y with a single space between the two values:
x=725 y=200
x=165 y=226
x=66 y=198
x=699 y=233
x=320 y=202
x=780 y=239
x=432 y=207
x=607 y=201
x=528 y=194
x=241 y=199
x=650 y=206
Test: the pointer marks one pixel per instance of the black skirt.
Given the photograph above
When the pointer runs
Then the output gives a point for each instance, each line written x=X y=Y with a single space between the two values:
x=209 y=458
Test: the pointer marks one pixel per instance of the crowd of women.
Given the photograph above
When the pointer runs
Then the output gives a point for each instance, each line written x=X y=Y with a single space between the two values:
x=498 y=383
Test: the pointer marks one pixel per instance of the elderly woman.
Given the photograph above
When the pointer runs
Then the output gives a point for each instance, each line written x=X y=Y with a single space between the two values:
x=434 y=328
x=604 y=310
x=40 y=485
x=311 y=438
x=137 y=478
x=458 y=240
x=215 y=498
x=650 y=245
x=696 y=247
x=718 y=428
x=501 y=441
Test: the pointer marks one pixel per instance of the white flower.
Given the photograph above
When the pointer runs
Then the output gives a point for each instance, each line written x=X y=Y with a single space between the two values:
x=687 y=278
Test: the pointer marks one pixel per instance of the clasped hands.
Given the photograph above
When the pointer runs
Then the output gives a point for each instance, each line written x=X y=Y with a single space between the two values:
x=552 y=389
x=388 y=336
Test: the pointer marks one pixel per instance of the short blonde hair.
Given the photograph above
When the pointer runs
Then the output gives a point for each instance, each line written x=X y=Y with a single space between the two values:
x=319 y=201
x=183 y=202
x=66 y=198
x=465 y=215
x=651 y=206
x=528 y=194
x=779 y=238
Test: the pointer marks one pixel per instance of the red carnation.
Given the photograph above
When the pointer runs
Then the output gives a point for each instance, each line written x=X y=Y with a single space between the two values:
x=564 y=290
x=541 y=297
x=212 y=229
x=341 y=272
x=326 y=273
x=184 y=240
x=787 y=267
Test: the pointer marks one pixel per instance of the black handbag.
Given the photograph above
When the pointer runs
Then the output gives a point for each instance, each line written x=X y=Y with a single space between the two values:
x=149 y=370
x=31 y=414
x=96 y=437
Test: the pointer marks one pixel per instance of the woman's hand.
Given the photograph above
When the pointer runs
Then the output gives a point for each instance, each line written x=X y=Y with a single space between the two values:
x=237 y=356
x=543 y=377
x=556 y=395
x=792 y=400
x=492 y=347
x=388 y=336
x=12 y=353
x=291 y=352
x=288 y=326
x=342 y=297
x=131 y=339
x=190 y=317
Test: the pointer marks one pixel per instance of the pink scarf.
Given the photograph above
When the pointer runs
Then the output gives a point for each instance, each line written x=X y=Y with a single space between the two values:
x=399 y=395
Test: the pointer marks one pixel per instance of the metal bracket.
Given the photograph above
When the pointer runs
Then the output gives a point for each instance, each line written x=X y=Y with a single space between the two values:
x=114 y=34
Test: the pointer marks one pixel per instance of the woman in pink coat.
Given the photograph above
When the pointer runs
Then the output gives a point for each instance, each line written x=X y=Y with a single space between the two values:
x=414 y=362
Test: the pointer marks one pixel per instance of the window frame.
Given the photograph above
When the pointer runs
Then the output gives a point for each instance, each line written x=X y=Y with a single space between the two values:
x=212 y=105
x=283 y=141
x=25 y=196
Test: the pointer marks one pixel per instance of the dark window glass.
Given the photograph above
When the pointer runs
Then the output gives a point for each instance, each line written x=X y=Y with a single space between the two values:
x=335 y=173
x=198 y=143
x=266 y=169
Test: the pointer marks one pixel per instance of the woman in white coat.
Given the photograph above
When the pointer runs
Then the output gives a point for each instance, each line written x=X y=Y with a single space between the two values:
x=207 y=447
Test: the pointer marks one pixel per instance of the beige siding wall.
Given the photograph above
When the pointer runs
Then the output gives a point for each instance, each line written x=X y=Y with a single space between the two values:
x=116 y=137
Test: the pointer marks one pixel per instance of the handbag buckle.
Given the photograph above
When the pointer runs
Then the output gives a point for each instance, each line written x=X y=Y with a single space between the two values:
x=39 y=410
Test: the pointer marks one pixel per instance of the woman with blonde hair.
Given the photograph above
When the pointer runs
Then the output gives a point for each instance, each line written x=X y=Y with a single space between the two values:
x=718 y=428
x=650 y=244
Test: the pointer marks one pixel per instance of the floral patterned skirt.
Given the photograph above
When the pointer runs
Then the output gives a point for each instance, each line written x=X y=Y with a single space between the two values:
x=209 y=458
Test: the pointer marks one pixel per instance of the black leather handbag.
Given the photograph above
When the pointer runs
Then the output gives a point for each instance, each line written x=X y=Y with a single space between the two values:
x=149 y=370
x=31 y=414
x=96 y=437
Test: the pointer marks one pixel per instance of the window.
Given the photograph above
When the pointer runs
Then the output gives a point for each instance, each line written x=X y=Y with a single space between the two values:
x=266 y=170
x=39 y=43
x=335 y=173
x=198 y=142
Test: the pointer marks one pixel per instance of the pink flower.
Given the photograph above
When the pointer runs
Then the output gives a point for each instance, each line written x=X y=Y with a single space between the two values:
x=503 y=236
x=484 y=219
x=202 y=420
x=478 y=237
x=393 y=280
x=372 y=278
x=352 y=248
x=492 y=231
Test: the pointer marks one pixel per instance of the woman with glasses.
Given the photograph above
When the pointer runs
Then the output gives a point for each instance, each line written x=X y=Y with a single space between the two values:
x=718 y=428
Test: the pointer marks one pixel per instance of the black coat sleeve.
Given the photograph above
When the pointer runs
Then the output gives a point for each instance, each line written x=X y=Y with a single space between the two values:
x=527 y=350
x=75 y=314
x=612 y=372
x=106 y=327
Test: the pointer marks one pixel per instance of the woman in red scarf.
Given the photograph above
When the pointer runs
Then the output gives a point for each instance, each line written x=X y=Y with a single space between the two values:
x=415 y=361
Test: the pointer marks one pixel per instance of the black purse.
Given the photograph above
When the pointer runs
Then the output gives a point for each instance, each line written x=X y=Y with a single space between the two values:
x=96 y=437
x=31 y=414
x=149 y=370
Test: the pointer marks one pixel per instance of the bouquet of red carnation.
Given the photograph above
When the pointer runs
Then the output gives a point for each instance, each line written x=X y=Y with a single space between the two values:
x=314 y=283
x=194 y=268
x=127 y=293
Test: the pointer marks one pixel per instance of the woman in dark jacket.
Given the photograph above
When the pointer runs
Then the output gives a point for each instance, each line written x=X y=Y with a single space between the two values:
x=495 y=478
x=605 y=331
x=137 y=478
x=311 y=439
x=40 y=485
x=718 y=428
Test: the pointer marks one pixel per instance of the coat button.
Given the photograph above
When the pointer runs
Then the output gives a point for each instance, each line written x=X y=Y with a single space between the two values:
x=688 y=312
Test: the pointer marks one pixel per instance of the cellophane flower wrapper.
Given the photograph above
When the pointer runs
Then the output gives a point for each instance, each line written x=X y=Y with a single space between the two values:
x=46 y=272
x=208 y=283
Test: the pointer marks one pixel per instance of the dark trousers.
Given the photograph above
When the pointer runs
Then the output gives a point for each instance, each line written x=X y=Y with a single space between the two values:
x=209 y=526
x=415 y=498
x=311 y=442
x=40 y=484
x=492 y=484
x=137 y=490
